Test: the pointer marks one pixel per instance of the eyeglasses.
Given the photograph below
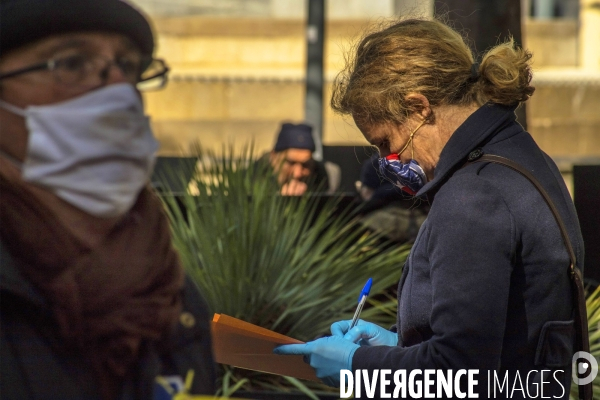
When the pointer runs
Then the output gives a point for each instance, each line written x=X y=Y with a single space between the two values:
x=93 y=70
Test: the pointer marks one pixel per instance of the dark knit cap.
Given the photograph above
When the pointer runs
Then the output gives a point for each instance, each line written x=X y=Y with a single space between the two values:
x=292 y=136
x=25 y=21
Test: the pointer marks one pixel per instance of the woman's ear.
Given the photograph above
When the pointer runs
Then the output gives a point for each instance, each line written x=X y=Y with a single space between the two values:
x=419 y=104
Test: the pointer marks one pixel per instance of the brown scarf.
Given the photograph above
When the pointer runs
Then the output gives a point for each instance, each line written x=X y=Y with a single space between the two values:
x=107 y=298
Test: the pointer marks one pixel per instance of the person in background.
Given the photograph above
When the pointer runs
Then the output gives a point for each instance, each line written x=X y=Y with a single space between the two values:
x=487 y=285
x=385 y=208
x=292 y=162
x=94 y=300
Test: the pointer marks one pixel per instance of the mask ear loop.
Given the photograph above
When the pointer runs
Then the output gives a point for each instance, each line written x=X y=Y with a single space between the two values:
x=410 y=141
x=13 y=109
x=18 y=164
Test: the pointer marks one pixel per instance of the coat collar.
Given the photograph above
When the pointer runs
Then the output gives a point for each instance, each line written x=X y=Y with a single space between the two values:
x=481 y=126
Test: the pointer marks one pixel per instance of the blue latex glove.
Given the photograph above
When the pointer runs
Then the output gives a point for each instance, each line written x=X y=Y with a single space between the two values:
x=371 y=334
x=326 y=355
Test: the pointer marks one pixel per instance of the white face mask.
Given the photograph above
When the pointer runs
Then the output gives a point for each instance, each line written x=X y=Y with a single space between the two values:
x=96 y=151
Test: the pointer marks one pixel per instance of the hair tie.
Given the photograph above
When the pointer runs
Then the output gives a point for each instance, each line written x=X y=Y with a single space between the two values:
x=474 y=72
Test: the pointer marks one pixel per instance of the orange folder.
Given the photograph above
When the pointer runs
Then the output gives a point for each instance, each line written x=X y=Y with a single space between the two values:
x=244 y=345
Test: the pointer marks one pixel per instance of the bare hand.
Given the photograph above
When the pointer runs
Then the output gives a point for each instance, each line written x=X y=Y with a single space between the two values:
x=294 y=188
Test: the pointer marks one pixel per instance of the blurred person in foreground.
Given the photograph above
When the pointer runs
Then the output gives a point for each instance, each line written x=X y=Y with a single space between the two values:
x=385 y=208
x=94 y=300
x=292 y=162
x=486 y=285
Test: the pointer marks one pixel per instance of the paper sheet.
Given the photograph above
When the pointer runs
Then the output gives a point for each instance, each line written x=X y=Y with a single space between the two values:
x=244 y=345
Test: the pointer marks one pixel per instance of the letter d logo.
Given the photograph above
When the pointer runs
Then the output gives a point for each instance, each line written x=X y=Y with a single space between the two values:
x=581 y=367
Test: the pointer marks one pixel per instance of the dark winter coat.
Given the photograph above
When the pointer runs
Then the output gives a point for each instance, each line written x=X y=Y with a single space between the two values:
x=486 y=285
x=34 y=365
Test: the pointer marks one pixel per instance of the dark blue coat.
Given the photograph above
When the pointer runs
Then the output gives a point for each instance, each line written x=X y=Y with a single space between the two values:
x=486 y=284
x=34 y=365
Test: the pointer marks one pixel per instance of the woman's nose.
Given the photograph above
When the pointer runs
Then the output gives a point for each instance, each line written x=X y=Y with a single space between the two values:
x=384 y=153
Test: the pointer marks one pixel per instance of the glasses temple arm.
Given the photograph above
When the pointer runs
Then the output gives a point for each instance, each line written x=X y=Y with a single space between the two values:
x=45 y=65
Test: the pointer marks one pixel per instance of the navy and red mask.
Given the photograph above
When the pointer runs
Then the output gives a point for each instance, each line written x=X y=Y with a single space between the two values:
x=409 y=177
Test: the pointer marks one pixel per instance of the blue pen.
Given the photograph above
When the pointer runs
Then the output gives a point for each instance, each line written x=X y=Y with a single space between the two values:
x=362 y=299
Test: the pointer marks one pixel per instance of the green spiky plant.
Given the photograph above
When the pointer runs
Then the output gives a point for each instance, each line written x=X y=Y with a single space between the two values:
x=278 y=262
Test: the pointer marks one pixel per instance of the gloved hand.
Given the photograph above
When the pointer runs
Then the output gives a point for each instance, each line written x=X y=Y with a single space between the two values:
x=371 y=334
x=326 y=355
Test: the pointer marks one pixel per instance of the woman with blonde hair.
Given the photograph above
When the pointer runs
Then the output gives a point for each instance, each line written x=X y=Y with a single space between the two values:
x=486 y=286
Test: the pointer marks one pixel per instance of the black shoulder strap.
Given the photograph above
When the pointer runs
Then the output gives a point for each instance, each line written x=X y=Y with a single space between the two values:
x=581 y=323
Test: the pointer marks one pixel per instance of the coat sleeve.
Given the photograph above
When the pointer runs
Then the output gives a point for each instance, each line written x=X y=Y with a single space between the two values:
x=470 y=248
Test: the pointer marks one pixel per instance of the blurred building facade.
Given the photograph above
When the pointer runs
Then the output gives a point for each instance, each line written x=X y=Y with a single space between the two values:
x=238 y=70
x=563 y=114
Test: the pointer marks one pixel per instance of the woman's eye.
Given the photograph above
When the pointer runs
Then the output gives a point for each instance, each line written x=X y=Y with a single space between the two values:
x=73 y=63
x=129 y=67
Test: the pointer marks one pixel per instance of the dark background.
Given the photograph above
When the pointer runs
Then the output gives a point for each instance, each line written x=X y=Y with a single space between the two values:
x=586 y=182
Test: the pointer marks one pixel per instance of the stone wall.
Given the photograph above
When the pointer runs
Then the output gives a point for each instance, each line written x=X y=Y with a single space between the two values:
x=235 y=80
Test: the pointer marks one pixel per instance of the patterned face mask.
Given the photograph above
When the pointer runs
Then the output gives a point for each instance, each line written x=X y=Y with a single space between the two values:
x=409 y=177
